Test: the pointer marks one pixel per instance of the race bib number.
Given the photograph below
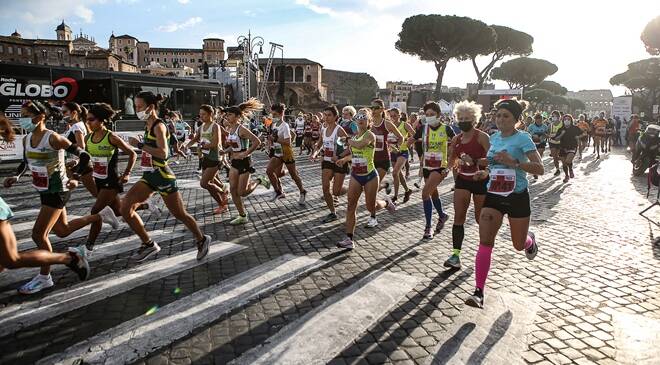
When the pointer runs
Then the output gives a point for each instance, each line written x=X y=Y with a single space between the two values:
x=380 y=143
x=328 y=150
x=432 y=160
x=502 y=181
x=205 y=150
x=39 y=177
x=359 y=165
x=146 y=162
x=233 y=142
x=100 y=167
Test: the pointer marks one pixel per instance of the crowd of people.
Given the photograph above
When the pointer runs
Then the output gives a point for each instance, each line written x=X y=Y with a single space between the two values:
x=489 y=157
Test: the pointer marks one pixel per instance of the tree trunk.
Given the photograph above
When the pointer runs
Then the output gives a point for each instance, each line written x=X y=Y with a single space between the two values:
x=440 y=68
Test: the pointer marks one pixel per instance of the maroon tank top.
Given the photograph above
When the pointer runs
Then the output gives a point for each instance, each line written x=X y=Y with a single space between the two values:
x=382 y=151
x=472 y=149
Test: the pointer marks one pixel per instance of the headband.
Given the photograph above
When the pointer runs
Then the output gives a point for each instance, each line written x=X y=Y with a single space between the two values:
x=512 y=106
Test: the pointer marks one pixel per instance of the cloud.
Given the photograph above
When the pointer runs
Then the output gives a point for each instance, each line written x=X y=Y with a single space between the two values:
x=173 y=27
x=42 y=12
x=184 y=2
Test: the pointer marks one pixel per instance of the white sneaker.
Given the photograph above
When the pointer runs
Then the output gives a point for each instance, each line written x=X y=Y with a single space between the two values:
x=37 y=284
x=108 y=217
x=373 y=222
x=303 y=195
x=390 y=204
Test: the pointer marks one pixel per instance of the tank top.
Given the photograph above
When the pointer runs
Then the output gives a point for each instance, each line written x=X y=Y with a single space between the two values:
x=315 y=131
x=435 y=147
x=104 y=156
x=381 y=148
x=235 y=142
x=554 y=129
x=472 y=149
x=329 y=143
x=205 y=137
x=300 y=126
x=148 y=162
x=391 y=137
x=70 y=135
x=46 y=165
x=362 y=159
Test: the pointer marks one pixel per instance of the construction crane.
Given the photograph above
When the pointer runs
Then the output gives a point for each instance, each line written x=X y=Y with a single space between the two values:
x=264 y=82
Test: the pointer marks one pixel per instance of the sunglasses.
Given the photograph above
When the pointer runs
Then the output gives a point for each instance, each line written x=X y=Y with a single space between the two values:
x=361 y=117
x=376 y=107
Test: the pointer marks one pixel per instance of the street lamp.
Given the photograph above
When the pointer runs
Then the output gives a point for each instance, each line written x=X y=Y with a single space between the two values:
x=248 y=45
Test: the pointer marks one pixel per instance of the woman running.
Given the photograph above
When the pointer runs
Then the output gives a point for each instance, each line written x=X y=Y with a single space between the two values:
x=569 y=137
x=469 y=151
x=511 y=156
x=584 y=138
x=10 y=257
x=435 y=138
x=600 y=133
x=332 y=145
x=347 y=122
x=281 y=155
x=208 y=138
x=363 y=177
x=241 y=143
x=158 y=177
x=300 y=131
x=555 y=125
x=382 y=126
x=418 y=125
x=74 y=116
x=399 y=155
x=44 y=156
x=539 y=132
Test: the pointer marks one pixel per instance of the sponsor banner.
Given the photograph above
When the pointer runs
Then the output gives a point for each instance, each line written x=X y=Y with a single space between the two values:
x=622 y=107
x=12 y=151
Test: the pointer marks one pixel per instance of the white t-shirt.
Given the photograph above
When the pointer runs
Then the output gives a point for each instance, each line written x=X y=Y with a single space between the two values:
x=283 y=131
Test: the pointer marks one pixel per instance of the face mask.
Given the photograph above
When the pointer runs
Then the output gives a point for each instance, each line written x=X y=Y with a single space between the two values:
x=142 y=115
x=568 y=122
x=26 y=123
x=555 y=119
x=465 y=126
x=432 y=121
x=66 y=119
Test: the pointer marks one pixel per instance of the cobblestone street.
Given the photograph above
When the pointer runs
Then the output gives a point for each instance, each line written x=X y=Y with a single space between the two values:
x=277 y=290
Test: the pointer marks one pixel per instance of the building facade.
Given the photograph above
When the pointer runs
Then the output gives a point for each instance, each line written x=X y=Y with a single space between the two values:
x=400 y=90
x=349 y=88
x=595 y=101
x=303 y=87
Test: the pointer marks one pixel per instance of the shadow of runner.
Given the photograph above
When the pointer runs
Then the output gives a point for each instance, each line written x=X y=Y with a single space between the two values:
x=497 y=331
x=451 y=346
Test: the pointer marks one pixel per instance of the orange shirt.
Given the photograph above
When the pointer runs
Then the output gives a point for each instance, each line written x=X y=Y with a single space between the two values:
x=600 y=126
x=583 y=125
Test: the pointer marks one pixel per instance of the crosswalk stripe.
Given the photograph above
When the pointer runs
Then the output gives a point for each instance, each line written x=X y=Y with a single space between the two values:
x=493 y=335
x=27 y=243
x=101 y=251
x=25 y=213
x=325 y=331
x=27 y=226
x=140 y=336
x=15 y=317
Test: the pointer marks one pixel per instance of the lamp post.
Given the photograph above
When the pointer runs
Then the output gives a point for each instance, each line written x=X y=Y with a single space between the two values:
x=248 y=45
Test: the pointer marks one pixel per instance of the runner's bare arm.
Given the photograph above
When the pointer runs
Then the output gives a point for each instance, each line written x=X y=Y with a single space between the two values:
x=124 y=147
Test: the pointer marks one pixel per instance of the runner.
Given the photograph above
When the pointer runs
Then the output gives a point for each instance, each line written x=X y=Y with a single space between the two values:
x=158 y=177
x=307 y=134
x=555 y=125
x=399 y=156
x=609 y=133
x=208 y=138
x=584 y=138
x=316 y=130
x=435 y=138
x=347 y=122
x=382 y=126
x=539 y=132
x=600 y=133
x=332 y=143
x=181 y=131
x=281 y=153
x=469 y=151
x=418 y=125
x=241 y=142
x=44 y=156
x=300 y=131
x=569 y=136
x=74 y=116
x=363 y=177
x=511 y=156
x=102 y=145
x=171 y=118
x=632 y=132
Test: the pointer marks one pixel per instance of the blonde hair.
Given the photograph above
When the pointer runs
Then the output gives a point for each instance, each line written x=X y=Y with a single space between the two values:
x=369 y=114
x=349 y=109
x=470 y=107
x=244 y=109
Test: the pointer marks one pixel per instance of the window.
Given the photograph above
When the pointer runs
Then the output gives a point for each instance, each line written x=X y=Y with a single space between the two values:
x=2 y=48
x=19 y=51
x=29 y=51
x=299 y=74
x=157 y=59
x=288 y=73
x=10 y=49
x=309 y=78
x=164 y=59
x=200 y=60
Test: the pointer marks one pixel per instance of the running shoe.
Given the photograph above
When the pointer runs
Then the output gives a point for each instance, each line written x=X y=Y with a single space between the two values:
x=301 y=200
x=329 y=218
x=406 y=195
x=476 y=300
x=146 y=251
x=557 y=173
x=263 y=181
x=454 y=262
x=536 y=177
x=108 y=216
x=79 y=264
x=566 y=179
x=441 y=223
x=346 y=243
x=152 y=205
x=388 y=188
x=37 y=284
x=533 y=249
x=373 y=222
x=239 y=220
x=391 y=207
x=428 y=233
x=203 y=247
x=82 y=250
x=277 y=196
x=571 y=174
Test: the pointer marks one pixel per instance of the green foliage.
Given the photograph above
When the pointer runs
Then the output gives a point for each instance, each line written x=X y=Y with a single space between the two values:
x=651 y=36
x=523 y=72
x=551 y=86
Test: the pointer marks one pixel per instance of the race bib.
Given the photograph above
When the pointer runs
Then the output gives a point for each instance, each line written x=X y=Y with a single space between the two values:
x=277 y=149
x=328 y=150
x=39 y=177
x=432 y=160
x=205 y=150
x=359 y=165
x=233 y=142
x=502 y=181
x=380 y=142
x=146 y=162
x=100 y=167
x=391 y=138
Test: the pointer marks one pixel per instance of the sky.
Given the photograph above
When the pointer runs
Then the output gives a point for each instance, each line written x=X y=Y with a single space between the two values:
x=589 y=40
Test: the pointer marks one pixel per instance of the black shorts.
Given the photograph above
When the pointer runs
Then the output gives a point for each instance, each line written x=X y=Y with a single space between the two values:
x=554 y=145
x=426 y=172
x=515 y=205
x=563 y=152
x=111 y=183
x=383 y=164
x=243 y=166
x=207 y=163
x=474 y=187
x=55 y=200
x=299 y=141
x=327 y=165
x=419 y=149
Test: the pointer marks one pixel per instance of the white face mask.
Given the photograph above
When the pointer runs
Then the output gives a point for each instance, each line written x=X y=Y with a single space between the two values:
x=432 y=121
x=555 y=119
x=568 y=122
x=142 y=115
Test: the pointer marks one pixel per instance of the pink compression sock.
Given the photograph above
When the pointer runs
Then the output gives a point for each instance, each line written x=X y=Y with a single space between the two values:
x=482 y=265
x=528 y=242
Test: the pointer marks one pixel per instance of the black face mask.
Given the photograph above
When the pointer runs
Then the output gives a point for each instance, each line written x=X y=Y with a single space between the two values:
x=465 y=126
